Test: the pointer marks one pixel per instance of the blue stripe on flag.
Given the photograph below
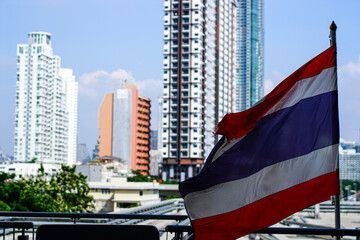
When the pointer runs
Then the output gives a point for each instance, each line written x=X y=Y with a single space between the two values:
x=309 y=125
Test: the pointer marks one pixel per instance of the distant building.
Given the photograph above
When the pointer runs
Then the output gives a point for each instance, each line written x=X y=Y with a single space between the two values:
x=71 y=92
x=349 y=161
x=124 y=123
x=160 y=129
x=46 y=104
x=155 y=163
x=28 y=170
x=213 y=65
x=82 y=153
x=103 y=169
x=118 y=194
x=4 y=158
x=249 y=50
x=95 y=152
x=153 y=139
x=197 y=81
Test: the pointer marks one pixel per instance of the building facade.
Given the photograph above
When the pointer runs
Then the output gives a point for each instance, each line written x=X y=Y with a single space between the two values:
x=46 y=104
x=154 y=139
x=82 y=153
x=119 y=195
x=29 y=170
x=124 y=123
x=70 y=87
x=349 y=160
x=212 y=51
x=249 y=47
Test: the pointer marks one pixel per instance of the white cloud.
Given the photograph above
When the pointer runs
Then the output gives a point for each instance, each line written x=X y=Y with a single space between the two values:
x=98 y=83
x=93 y=78
x=349 y=79
x=275 y=78
x=268 y=86
x=351 y=69
x=349 y=100
x=122 y=74
x=94 y=84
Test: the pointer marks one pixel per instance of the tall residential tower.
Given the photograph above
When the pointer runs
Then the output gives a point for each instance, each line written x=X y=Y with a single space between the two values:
x=213 y=65
x=46 y=104
x=249 y=64
x=198 y=73
x=124 y=123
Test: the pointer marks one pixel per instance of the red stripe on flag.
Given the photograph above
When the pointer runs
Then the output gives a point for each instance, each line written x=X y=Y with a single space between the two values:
x=235 y=125
x=267 y=211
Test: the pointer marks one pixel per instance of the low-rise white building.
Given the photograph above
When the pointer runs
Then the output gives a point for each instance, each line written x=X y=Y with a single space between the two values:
x=117 y=194
x=28 y=170
x=103 y=169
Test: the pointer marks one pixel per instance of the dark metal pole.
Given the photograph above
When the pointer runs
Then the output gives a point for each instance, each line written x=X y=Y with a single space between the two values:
x=333 y=28
x=337 y=197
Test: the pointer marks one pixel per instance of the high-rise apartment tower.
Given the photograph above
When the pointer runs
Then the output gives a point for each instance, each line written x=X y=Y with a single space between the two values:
x=124 y=123
x=46 y=104
x=249 y=50
x=198 y=81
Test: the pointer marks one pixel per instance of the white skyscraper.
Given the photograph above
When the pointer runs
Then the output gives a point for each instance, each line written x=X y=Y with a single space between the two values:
x=71 y=90
x=198 y=70
x=46 y=104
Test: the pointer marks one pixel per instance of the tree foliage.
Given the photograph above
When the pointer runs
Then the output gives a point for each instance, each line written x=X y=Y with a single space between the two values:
x=64 y=191
x=353 y=185
x=139 y=177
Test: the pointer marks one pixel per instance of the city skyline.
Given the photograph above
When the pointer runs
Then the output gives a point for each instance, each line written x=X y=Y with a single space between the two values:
x=127 y=39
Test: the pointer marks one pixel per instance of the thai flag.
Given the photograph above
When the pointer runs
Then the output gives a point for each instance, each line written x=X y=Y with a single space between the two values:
x=275 y=158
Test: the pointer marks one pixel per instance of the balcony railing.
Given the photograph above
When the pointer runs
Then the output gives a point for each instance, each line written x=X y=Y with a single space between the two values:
x=25 y=225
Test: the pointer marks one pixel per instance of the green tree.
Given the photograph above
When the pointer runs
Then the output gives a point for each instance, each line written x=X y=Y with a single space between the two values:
x=65 y=191
x=138 y=177
x=353 y=185
x=9 y=191
x=73 y=189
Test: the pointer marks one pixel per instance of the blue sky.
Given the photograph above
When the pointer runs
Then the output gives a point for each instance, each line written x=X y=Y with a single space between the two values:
x=102 y=40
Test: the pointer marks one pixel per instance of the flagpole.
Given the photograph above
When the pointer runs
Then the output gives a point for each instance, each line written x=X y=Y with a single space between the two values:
x=337 y=197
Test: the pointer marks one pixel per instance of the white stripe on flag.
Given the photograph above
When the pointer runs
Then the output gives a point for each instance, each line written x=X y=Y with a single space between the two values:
x=230 y=196
x=306 y=88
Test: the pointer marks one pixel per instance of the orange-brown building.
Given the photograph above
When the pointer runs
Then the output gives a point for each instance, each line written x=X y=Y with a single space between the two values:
x=124 y=124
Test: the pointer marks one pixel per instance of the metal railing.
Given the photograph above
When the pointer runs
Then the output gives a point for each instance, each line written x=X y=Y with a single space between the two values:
x=24 y=223
x=23 y=226
x=11 y=222
x=179 y=231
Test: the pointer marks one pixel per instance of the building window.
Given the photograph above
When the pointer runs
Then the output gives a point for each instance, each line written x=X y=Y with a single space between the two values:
x=105 y=191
